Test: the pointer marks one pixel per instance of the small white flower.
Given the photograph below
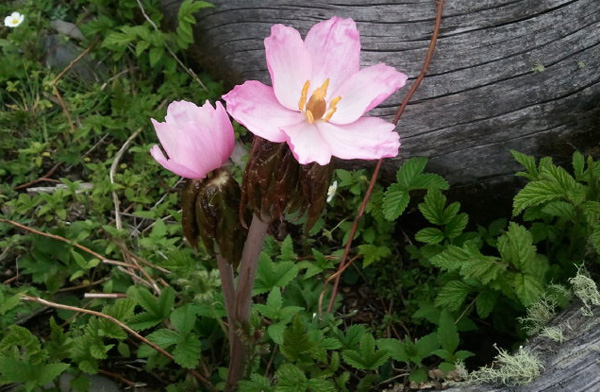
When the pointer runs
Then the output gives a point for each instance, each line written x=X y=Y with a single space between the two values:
x=331 y=192
x=14 y=19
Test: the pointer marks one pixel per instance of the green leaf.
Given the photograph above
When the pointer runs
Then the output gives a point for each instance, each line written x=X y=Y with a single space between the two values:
x=395 y=201
x=456 y=225
x=184 y=318
x=271 y=275
x=351 y=338
x=528 y=289
x=372 y=253
x=188 y=351
x=452 y=295
x=578 y=165
x=561 y=209
x=164 y=337
x=485 y=302
x=290 y=379
x=447 y=332
x=429 y=181
x=156 y=309
x=528 y=162
x=287 y=250
x=410 y=170
x=432 y=207
x=257 y=383
x=536 y=193
x=469 y=261
x=366 y=357
x=186 y=19
x=425 y=347
x=516 y=246
x=595 y=237
x=430 y=235
x=396 y=348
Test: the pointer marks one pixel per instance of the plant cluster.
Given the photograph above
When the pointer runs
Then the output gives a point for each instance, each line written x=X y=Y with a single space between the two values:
x=457 y=278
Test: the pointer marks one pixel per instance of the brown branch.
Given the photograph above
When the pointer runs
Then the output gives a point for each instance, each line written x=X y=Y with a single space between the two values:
x=63 y=239
x=120 y=324
x=45 y=177
x=415 y=85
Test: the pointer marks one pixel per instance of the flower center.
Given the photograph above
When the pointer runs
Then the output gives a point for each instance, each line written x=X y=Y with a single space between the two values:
x=15 y=21
x=316 y=107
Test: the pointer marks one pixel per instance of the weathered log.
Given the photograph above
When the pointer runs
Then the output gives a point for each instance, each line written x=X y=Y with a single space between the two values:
x=505 y=75
x=572 y=365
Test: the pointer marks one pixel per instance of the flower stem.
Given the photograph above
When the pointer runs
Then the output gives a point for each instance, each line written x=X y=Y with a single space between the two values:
x=243 y=299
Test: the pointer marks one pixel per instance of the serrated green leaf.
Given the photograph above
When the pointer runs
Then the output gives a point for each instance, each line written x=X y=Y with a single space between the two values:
x=430 y=235
x=184 y=318
x=395 y=201
x=456 y=225
x=516 y=246
x=271 y=275
x=578 y=162
x=559 y=208
x=188 y=351
x=485 y=302
x=156 y=309
x=536 y=193
x=164 y=337
x=257 y=383
x=528 y=288
x=351 y=338
x=290 y=379
x=433 y=207
x=429 y=181
x=591 y=211
x=372 y=253
x=425 y=346
x=469 y=261
x=447 y=333
x=452 y=295
x=366 y=357
x=528 y=162
x=396 y=348
x=287 y=250
x=595 y=237
x=409 y=170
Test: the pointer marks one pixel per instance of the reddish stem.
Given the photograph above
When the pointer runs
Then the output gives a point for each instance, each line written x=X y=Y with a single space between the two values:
x=361 y=209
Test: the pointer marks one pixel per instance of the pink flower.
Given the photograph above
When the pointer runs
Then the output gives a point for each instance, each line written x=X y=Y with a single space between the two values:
x=196 y=139
x=319 y=96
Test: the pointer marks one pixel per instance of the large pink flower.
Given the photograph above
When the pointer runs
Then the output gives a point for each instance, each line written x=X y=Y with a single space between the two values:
x=196 y=139
x=319 y=96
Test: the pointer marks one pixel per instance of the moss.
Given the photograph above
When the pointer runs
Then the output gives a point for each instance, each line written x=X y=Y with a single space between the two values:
x=509 y=369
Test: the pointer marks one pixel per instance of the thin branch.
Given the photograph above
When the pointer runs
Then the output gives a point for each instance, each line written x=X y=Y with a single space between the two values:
x=120 y=324
x=111 y=175
x=45 y=177
x=428 y=57
x=63 y=239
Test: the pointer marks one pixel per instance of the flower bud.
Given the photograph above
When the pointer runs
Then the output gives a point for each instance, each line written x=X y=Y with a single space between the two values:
x=210 y=215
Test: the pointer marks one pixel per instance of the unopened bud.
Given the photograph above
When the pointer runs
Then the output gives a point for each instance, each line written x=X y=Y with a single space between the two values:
x=210 y=214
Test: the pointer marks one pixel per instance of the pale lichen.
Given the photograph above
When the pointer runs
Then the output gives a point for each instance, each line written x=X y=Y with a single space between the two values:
x=509 y=369
x=586 y=290
x=553 y=333
x=539 y=314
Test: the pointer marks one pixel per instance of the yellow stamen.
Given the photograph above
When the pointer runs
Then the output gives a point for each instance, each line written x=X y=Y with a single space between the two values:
x=303 y=96
x=316 y=105
x=309 y=117
x=332 y=108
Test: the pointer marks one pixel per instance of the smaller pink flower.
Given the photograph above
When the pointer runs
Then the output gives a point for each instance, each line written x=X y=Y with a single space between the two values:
x=197 y=140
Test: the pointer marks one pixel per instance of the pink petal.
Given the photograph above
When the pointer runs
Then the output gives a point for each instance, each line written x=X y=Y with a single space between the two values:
x=366 y=138
x=307 y=144
x=364 y=90
x=334 y=46
x=181 y=112
x=255 y=106
x=173 y=166
x=223 y=131
x=289 y=64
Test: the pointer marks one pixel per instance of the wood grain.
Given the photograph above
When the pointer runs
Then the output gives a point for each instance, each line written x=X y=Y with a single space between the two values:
x=481 y=97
